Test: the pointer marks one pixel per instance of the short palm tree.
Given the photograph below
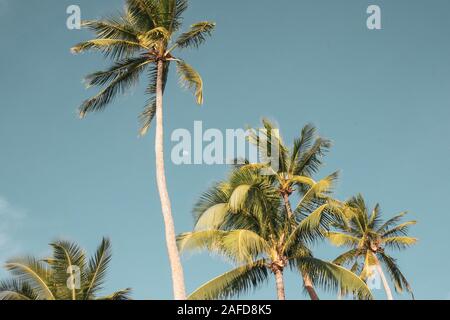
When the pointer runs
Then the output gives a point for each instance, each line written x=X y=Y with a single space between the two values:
x=294 y=168
x=368 y=238
x=142 y=40
x=244 y=220
x=50 y=279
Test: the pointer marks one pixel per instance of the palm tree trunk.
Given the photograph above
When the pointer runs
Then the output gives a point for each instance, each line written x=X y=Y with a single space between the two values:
x=309 y=287
x=383 y=279
x=306 y=279
x=280 y=284
x=174 y=258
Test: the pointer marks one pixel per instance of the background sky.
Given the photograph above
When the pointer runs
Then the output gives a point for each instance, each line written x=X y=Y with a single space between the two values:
x=382 y=96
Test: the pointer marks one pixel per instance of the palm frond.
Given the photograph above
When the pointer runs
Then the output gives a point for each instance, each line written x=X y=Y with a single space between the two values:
x=233 y=283
x=332 y=277
x=400 y=230
x=35 y=273
x=399 y=242
x=191 y=79
x=196 y=35
x=309 y=229
x=97 y=268
x=14 y=289
x=121 y=295
x=111 y=48
x=66 y=256
x=120 y=84
x=397 y=277
x=213 y=217
x=340 y=239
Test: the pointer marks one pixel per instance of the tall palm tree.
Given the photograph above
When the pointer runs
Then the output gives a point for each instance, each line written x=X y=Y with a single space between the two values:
x=244 y=220
x=142 y=40
x=50 y=279
x=368 y=238
x=294 y=168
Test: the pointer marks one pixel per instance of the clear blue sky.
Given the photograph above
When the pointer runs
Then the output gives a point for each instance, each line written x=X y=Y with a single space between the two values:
x=382 y=96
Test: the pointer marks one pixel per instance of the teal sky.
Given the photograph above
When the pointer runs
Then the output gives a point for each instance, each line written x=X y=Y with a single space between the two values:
x=382 y=96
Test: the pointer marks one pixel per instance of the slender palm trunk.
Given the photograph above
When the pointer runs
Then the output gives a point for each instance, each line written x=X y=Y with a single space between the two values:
x=384 y=280
x=174 y=258
x=280 y=284
x=309 y=287
x=306 y=279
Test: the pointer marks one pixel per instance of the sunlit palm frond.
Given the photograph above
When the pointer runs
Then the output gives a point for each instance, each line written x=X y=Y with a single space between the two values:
x=399 y=242
x=121 y=295
x=14 y=289
x=399 y=230
x=332 y=277
x=391 y=222
x=196 y=35
x=398 y=278
x=120 y=84
x=348 y=257
x=310 y=229
x=233 y=283
x=191 y=79
x=113 y=28
x=111 y=48
x=35 y=273
x=213 y=217
x=66 y=256
x=97 y=268
x=340 y=239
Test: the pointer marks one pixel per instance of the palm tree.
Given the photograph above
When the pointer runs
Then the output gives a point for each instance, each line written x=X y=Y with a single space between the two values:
x=142 y=40
x=244 y=220
x=294 y=168
x=368 y=238
x=65 y=276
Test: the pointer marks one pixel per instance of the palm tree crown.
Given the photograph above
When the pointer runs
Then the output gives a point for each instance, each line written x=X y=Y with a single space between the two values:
x=369 y=238
x=49 y=279
x=136 y=41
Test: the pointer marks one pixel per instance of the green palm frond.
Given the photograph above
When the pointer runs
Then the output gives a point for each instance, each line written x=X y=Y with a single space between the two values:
x=398 y=278
x=120 y=84
x=399 y=242
x=112 y=48
x=196 y=35
x=213 y=217
x=96 y=271
x=145 y=14
x=121 y=295
x=35 y=273
x=300 y=146
x=244 y=246
x=119 y=68
x=201 y=240
x=112 y=28
x=233 y=283
x=320 y=189
x=191 y=79
x=311 y=160
x=239 y=197
x=332 y=277
x=66 y=255
x=309 y=229
x=391 y=222
x=340 y=239
x=399 y=230
x=146 y=117
x=14 y=289
x=348 y=257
